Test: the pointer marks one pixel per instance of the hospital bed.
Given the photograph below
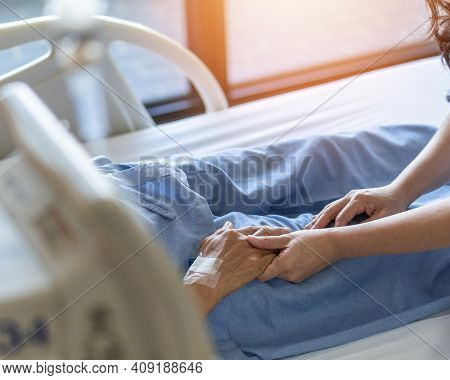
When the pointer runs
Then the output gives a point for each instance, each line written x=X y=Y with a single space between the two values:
x=411 y=93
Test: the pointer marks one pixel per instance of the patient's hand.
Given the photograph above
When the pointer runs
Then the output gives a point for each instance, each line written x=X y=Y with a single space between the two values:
x=240 y=262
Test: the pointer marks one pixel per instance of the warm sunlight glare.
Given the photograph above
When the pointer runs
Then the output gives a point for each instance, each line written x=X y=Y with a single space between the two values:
x=266 y=37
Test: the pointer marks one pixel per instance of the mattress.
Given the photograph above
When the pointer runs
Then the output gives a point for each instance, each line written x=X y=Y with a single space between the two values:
x=411 y=93
x=428 y=339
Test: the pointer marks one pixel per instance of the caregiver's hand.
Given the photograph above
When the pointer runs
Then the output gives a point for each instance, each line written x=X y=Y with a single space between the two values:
x=240 y=262
x=376 y=203
x=301 y=254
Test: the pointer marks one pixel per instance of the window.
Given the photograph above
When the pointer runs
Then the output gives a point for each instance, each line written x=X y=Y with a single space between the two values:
x=18 y=56
x=152 y=77
x=288 y=35
x=270 y=40
x=154 y=80
x=255 y=48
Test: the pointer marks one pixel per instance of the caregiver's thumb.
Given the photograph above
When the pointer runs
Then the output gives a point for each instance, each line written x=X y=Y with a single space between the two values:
x=269 y=242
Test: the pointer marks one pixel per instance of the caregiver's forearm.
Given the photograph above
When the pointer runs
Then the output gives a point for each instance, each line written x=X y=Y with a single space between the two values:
x=418 y=230
x=429 y=170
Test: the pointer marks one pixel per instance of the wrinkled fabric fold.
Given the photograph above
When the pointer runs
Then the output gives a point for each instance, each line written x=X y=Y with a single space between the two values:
x=284 y=185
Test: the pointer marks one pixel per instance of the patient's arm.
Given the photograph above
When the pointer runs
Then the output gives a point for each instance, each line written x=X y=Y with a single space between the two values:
x=428 y=171
x=240 y=263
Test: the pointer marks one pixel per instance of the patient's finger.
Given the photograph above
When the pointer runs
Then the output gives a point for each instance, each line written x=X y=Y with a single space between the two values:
x=263 y=230
x=328 y=214
x=269 y=242
x=249 y=230
x=227 y=226
x=272 y=231
x=347 y=214
x=275 y=268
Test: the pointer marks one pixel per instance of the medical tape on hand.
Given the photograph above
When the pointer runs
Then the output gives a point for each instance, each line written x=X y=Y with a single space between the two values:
x=204 y=271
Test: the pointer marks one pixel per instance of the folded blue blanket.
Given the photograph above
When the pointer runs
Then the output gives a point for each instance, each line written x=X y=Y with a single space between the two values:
x=283 y=186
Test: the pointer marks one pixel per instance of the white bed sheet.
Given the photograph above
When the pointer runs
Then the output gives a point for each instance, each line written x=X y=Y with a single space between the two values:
x=409 y=93
x=425 y=339
x=412 y=93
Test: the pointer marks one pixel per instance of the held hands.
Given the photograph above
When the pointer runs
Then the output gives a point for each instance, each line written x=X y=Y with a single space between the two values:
x=304 y=253
x=241 y=263
x=377 y=203
x=301 y=254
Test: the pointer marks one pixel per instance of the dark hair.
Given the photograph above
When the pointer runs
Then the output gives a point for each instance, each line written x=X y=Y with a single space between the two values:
x=440 y=26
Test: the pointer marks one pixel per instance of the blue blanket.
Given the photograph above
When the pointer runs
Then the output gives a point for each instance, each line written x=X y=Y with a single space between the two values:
x=283 y=186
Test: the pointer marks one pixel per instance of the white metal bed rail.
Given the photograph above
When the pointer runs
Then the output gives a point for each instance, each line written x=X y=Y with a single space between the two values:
x=45 y=75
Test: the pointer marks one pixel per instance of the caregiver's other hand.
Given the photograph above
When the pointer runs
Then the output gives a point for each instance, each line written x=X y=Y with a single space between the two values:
x=301 y=254
x=240 y=262
x=377 y=203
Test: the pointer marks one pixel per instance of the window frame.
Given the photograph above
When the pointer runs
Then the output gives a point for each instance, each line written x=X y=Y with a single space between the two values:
x=206 y=37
